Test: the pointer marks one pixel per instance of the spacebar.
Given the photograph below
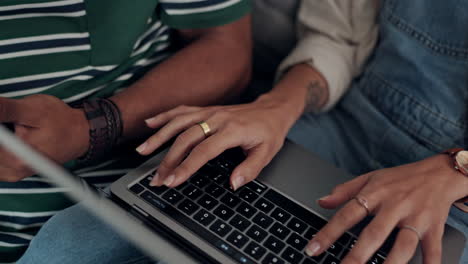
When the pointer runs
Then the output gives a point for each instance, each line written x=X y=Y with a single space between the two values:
x=194 y=227
x=295 y=209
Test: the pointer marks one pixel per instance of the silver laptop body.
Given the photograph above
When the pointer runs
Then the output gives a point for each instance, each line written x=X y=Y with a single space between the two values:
x=295 y=173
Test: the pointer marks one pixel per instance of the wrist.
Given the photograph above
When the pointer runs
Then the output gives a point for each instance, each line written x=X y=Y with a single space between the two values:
x=286 y=109
x=81 y=131
x=457 y=182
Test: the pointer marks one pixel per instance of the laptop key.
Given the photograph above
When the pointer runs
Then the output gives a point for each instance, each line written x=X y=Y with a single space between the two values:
x=376 y=259
x=181 y=186
x=331 y=260
x=309 y=261
x=280 y=215
x=272 y=259
x=230 y=200
x=153 y=200
x=237 y=239
x=291 y=255
x=262 y=220
x=274 y=244
x=280 y=231
x=207 y=201
x=248 y=195
x=204 y=217
x=335 y=249
x=256 y=233
x=297 y=225
x=188 y=207
x=192 y=192
x=137 y=189
x=246 y=210
x=255 y=250
x=214 y=190
x=172 y=196
x=146 y=181
x=344 y=239
x=220 y=228
x=158 y=189
x=264 y=205
x=199 y=180
x=256 y=187
x=295 y=209
x=296 y=241
x=240 y=223
x=310 y=233
x=220 y=178
x=223 y=212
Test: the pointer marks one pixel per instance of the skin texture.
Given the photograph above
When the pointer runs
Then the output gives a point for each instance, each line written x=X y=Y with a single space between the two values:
x=396 y=196
x=249 y=126
x=46 y=123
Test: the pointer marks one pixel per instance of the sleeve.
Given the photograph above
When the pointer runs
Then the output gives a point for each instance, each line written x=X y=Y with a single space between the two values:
x=193 y=14
x=335 y=37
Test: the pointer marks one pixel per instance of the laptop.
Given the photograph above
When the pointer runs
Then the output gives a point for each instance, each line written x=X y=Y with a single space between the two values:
x=270 y=220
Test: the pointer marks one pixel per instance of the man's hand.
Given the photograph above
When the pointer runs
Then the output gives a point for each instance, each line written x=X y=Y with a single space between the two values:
x=49 y=125
x=416 y=198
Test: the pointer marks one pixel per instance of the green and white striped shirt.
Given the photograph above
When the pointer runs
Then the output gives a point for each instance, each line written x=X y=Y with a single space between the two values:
x=75 y=49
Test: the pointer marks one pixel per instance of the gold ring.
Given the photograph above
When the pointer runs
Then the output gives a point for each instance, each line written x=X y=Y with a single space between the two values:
x=412 y=228
x=205 y=128
x=363 y=202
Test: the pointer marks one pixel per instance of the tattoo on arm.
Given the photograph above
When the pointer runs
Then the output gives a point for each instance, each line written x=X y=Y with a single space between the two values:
x=316 y=98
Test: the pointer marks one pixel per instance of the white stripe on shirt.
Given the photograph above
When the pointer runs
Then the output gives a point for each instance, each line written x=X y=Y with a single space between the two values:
x=70 y=14
x=44 y=37
x=202 y=9
x=44 y=51
x=38 y=5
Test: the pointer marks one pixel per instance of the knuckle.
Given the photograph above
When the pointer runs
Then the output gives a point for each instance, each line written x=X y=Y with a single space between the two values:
x=344 y=216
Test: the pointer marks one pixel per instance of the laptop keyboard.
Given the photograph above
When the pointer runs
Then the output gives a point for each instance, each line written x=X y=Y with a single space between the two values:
x=255 y=224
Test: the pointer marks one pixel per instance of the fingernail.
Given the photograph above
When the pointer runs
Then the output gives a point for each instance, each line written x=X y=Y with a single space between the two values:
x=142 y=147
x=237 y=182
x=154 y=180
x=312 y=249
x=150 y=120
x=169 y=180
x=324 y=198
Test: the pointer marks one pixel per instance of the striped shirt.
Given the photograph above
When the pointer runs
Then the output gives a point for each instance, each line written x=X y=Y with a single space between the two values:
x=76 y=49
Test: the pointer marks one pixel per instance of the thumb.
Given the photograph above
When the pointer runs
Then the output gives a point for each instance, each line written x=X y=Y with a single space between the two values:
x=344 y=192
x=248 y=170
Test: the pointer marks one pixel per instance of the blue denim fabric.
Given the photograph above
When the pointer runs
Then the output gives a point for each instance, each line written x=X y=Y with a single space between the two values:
x=75 y=236
x=411 y=100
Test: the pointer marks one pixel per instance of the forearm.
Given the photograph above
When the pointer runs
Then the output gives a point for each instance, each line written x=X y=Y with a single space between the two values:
x=212 y=69
x=302 y=89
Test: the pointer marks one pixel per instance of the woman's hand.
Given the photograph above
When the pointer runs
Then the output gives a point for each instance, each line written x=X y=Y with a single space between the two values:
x=259 y=128
x=418 y=195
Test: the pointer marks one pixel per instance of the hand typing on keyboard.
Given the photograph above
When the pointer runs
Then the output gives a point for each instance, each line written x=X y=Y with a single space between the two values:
x=248 y=126
x=416 y=198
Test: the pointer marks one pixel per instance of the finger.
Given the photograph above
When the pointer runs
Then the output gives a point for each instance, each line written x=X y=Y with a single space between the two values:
x=184 y=143
x=344 y=192
x=432 y=246
x=344 y=219
x=14 y=175
x=163 y=118
x=404 y=247
x=373 y=236
x=171 y=129
x=202 y=153
x=257 y=158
